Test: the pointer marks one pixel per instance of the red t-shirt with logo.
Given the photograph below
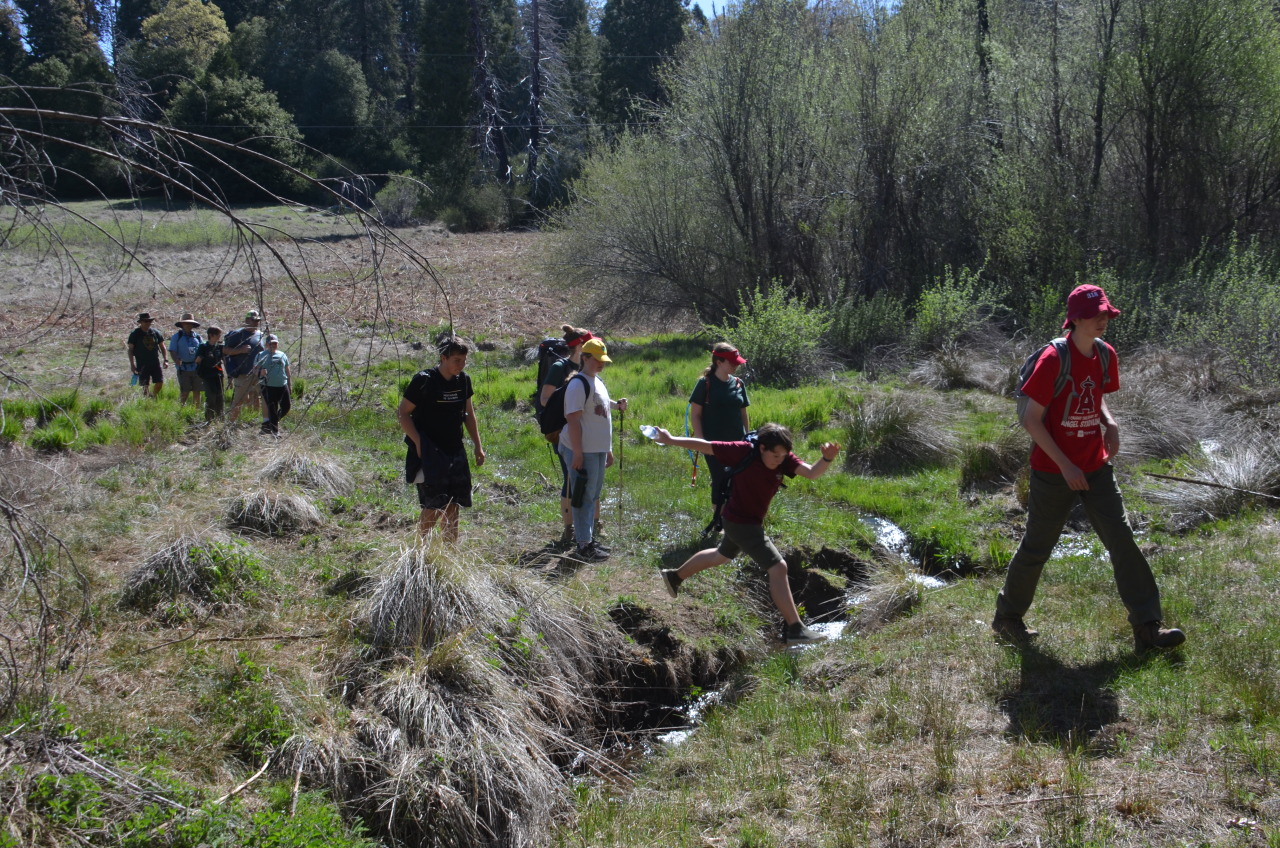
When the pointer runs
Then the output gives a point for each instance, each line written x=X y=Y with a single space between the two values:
x=753 y=487
x=1079 y=434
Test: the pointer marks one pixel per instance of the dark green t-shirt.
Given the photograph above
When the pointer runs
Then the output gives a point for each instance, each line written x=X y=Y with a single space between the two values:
x=721 y=409
x=146 y=346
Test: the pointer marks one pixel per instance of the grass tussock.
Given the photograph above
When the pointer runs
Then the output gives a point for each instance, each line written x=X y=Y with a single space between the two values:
x=1158 y=420
x=273 y=513
x=291 y=464
x=898 y=431
x=1247 y=462
x=995 y=463
x=893 y=589
x=479 y=685
x=192 y=573
x=954 y=366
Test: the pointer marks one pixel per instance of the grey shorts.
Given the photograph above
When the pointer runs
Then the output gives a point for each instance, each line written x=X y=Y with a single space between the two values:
x=749 y=539
x=190 y=381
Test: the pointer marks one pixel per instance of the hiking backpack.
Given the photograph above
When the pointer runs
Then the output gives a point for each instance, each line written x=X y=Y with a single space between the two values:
x=1064 y=372
x=550 y=351
x=551 y=420
x=717 y=522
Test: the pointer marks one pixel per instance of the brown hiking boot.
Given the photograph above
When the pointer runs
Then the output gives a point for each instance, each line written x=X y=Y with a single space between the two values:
x=1154 y=635
x=1013 y=629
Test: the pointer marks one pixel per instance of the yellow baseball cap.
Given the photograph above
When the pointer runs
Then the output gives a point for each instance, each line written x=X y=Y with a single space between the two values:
x=596 y=348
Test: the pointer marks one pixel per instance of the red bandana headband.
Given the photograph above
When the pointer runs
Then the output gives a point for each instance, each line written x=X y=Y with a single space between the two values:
x=582 y=339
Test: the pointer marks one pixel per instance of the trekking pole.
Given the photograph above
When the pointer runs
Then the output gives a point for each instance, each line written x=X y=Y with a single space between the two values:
x=622 y=438
x=1214 y=485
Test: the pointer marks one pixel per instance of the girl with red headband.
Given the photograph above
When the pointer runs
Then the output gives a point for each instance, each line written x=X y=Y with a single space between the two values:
x=559 y=372
x=718 y=413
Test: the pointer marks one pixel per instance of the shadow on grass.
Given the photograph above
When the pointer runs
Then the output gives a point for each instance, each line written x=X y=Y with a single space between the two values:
x=1061 y=703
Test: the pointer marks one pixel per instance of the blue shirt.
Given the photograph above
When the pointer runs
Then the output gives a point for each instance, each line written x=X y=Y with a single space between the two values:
x=183 y=346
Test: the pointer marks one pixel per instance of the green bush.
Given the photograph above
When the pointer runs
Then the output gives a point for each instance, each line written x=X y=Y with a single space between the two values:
x=957 y=305
x=859 y=325
x=777 y=333
x=400 y=201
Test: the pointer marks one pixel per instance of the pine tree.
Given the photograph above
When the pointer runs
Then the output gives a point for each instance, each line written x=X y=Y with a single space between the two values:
x=638 y=36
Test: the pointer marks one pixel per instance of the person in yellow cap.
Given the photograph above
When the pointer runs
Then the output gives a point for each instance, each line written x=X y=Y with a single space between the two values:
x=586 y=443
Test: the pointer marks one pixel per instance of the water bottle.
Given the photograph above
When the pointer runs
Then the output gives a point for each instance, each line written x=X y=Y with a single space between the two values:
x=579 y=487
x=649 y=431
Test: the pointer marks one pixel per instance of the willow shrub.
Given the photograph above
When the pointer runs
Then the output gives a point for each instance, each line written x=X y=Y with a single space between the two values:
x=777 y=333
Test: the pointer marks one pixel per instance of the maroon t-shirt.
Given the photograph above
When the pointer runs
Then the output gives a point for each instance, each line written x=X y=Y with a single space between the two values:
x=1080 y=438
x=754 y=487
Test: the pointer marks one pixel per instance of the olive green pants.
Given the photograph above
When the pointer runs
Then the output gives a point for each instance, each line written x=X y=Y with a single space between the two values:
x=1050 y=503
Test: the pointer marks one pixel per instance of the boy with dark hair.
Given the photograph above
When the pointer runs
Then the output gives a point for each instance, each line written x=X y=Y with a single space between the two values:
x=435 y=407
x=751 y=491
x=147 y=356
x=209 y=369
x=1071 y=463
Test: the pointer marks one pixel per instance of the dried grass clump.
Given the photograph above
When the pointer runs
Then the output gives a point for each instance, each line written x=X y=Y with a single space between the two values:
x=1188 y=377
x=962 y=367
x=479 y=685
x=1158 y=419
x=273 y=513
x=995 y=463
x=198 y=570
x=898 y=431
x=1247 y=462
x=893 y=589
x=310 y=470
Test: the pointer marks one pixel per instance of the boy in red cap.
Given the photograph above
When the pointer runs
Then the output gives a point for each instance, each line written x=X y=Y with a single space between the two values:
x=1075 y=439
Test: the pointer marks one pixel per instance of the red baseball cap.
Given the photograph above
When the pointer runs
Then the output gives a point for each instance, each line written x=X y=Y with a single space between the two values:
x=730 y=355
x=1086 y=302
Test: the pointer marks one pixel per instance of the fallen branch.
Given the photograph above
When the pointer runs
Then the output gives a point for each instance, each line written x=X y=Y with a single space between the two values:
x=1042 y=800
x=242 y=787
x=1214 y=485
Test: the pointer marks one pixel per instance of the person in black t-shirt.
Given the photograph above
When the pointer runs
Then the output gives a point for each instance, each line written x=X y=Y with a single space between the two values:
x=434 y=409
x=147 y=356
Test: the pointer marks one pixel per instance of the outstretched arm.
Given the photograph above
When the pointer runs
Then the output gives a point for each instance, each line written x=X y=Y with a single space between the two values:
x=829 y=452
x=699 y=445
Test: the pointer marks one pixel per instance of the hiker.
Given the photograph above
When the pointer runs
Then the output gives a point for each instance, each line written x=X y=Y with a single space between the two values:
x=718 y=413
x=209 y=369
x=272 y=370
x=1075 y=439
x=242 y=349
x=755 y=475
x=586 y=444
x=560 y=370
x=182 y=347
x=147 y=356
x=435 y=407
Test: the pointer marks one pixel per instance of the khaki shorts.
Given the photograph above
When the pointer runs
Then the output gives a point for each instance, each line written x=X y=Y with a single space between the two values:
x=749 y=539
x=245 y=385
x=189 y=381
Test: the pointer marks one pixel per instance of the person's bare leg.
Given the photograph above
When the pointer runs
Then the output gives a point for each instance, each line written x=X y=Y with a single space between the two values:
x=427 y=521
x=451 y=523
x=780 y=591
x=701 y=561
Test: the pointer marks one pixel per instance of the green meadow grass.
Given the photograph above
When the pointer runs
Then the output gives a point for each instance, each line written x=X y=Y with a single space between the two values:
x=920 y=732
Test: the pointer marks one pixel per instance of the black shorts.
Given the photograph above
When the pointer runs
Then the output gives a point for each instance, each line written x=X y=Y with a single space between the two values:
x=449 y=482
x=149 y=372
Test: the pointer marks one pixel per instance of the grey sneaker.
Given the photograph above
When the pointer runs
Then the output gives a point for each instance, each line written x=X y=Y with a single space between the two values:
x=1013 y=629
x=1154 y=634
x=798 y=634
x=590 y=552
x=672 y=581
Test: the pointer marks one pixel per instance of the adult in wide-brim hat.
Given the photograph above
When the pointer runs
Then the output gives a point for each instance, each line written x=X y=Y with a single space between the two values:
x=187 y=318
x=145 y=318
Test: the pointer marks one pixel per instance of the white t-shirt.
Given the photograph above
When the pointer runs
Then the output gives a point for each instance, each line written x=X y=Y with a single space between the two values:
x=597 y=420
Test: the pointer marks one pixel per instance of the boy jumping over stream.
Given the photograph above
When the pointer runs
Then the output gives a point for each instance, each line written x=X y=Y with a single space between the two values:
x=757 y=471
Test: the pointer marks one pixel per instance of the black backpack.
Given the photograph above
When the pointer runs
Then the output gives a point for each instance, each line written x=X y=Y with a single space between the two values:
x=726 y=484
x=1064 y=372
x=550 y=351
x=551 y=420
